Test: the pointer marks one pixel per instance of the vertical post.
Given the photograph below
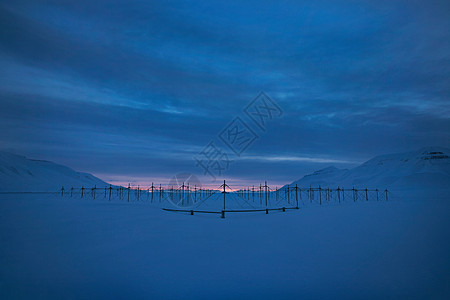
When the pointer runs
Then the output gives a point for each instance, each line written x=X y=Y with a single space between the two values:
x=138 y=193
x=320 y=195
x=224 y=195
x=82 y=192
x=224 y=192
x=160 y=192
x=62 y=192
x=377 y=194
x=152 y=193
x=296 y=195
x=354 y=198
x=182 y=194
x=260 y=194
x=128 y=192
x=266 y=187
x=386 y=191
x=94 y=189
x=189 y=195
x=71 y=192
x=253 y=193
x=288 y=195
x=110 y=188
x=339 y=195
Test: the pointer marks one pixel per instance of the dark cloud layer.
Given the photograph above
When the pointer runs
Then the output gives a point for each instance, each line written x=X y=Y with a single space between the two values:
x=137 y=88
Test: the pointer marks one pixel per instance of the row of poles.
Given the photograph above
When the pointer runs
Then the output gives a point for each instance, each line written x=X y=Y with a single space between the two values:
x=185 y=195
x=264 y=192
x=194 y=194
x=153 y=193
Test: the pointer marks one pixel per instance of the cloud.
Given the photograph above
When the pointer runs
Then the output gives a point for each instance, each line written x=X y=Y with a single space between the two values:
x=298 y=159
x=147 y=85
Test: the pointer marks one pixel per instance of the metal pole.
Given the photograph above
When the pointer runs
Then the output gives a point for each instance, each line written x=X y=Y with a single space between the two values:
x=223 y=211
x=224 y=195
x=288 y=196
x=320 y=195
x=152 y=192
x=266 y=187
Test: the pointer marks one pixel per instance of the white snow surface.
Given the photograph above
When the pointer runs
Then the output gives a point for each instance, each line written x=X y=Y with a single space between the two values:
x=54 y=247
x=18 y=173
x=428 y=167
x=73 y=248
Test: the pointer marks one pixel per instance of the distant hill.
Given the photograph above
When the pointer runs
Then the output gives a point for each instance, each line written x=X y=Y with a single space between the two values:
x=426 y=168
x=18 y=173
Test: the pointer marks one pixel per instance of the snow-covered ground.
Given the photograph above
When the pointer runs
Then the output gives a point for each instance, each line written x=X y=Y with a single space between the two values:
x=84 y=248
x=80 y=248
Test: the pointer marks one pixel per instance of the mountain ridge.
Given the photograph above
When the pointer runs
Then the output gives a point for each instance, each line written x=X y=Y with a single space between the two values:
x=426 y=167
x=19 y=173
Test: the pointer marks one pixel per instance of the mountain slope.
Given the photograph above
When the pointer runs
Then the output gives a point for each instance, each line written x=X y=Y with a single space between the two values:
x=426 y=168
x=322 y=177
x=18 y=173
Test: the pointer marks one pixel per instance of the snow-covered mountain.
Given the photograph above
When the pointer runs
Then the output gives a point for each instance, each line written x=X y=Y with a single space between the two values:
x=18 y=173
x=426 y=168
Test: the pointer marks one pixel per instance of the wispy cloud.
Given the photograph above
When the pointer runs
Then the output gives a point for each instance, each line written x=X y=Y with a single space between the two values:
x=298 y=159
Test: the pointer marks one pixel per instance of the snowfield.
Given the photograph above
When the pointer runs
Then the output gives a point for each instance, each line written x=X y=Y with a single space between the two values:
x=54 y=247
x=84 y=249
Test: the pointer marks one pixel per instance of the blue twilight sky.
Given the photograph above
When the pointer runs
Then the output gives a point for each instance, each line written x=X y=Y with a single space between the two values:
x=133 y=90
